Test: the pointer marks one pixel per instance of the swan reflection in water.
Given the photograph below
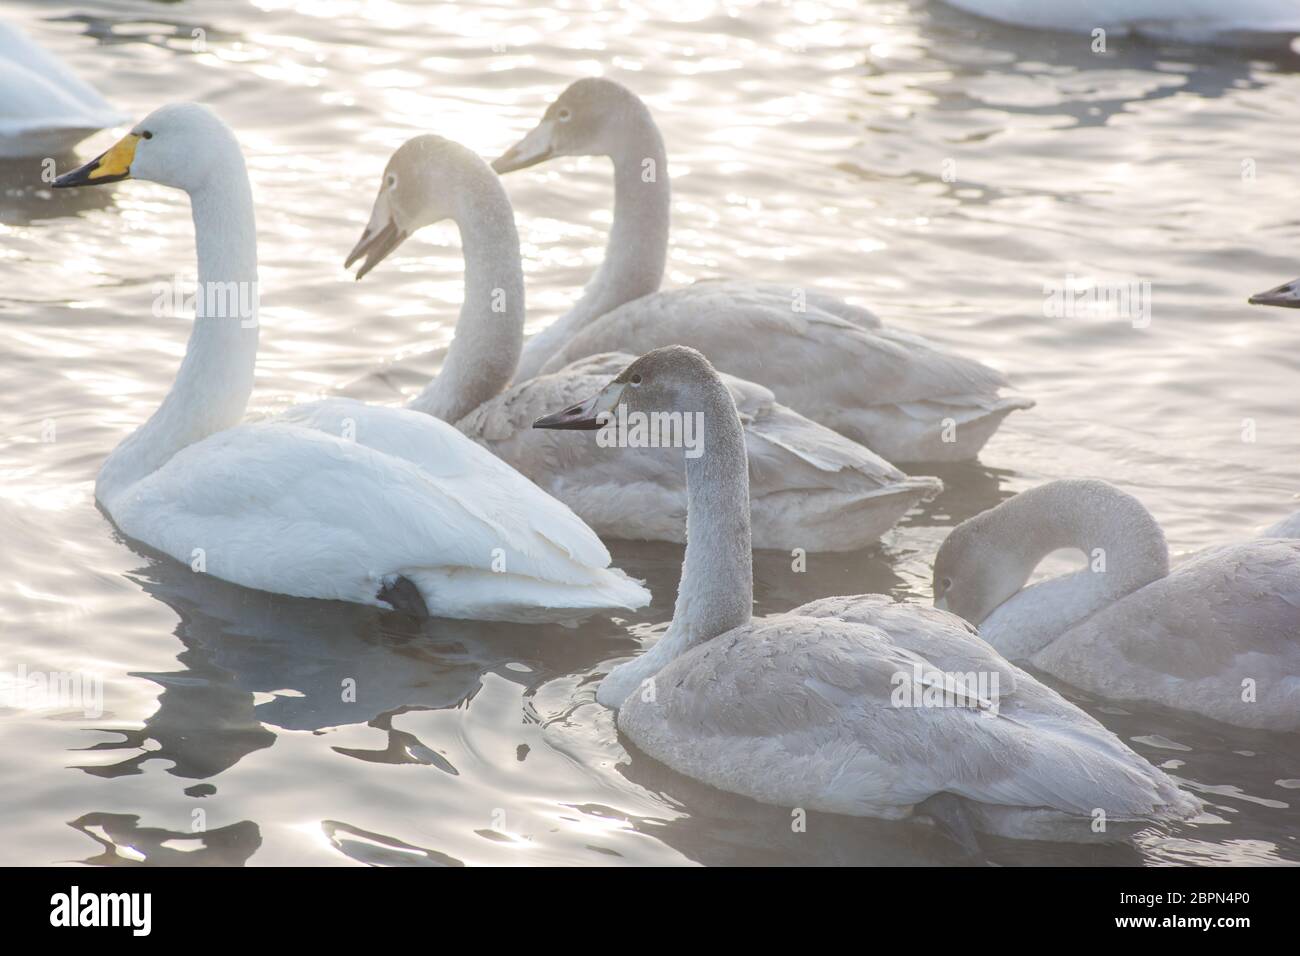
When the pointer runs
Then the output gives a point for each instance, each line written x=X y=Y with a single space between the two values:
x=253 y=662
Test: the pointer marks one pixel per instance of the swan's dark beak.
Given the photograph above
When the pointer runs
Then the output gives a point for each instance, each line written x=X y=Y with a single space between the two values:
x=111 y=166
x=1286 y=295
x=590 y=415
x=580 y=417
x=375 y=245
x=536 y=147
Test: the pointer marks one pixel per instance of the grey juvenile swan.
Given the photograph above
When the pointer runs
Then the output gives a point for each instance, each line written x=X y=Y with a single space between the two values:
x=803 y=709
x=813 y=488
x=892 y=391
x=1286 y=296
x=1217 y=635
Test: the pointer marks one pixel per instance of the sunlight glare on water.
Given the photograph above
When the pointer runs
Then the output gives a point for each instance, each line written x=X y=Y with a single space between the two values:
x=807 y=144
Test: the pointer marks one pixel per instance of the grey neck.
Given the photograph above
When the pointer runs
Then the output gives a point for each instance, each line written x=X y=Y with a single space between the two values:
x=1122 y=543
x=716 y=592
x=490 y=331
x=637 y=250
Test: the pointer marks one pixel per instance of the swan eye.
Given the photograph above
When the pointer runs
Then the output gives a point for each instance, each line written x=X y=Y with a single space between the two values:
x=563 y=115
x=635 y=379
x=945 y=584
x=147 y=135
x=390 y=181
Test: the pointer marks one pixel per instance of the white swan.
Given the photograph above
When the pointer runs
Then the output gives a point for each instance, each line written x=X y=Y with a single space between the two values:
x=808 y=708
x=895 y=393
x=812 y=488
x=335 y=499
x=46 y=109
x=1250 y=23
x=1217 y=635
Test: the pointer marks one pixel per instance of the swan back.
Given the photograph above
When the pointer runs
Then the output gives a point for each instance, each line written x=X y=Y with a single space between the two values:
x=1219 y=636
x=1288 y=527
x=803 y=709
x=1189 y=21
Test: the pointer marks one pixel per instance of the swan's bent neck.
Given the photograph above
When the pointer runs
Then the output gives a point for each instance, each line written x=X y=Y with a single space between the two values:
x=490 y=331
x=637 y=249
x=215 y=380
x=717 y=584
x=1122 y=544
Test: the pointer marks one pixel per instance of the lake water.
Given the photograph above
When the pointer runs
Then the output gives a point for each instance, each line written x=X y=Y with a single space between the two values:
x=940 y=169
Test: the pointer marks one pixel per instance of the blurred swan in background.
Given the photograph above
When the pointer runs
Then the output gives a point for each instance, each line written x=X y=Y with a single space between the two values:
x=1217 y=635
x=811 y=487
x=1286 y=296
x=335 y=499
x=45 y=109
x=894 y=392
x=1248 y=23
x=803 y=709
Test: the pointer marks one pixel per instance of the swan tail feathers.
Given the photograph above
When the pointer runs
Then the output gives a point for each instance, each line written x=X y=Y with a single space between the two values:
x=475 y=594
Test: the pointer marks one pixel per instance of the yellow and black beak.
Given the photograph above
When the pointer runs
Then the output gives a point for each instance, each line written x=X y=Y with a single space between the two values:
x=109 y=167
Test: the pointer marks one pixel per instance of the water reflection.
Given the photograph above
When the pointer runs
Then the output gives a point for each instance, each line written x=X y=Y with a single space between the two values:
x=253 y=661
x=720 y=829
x=26 y=196
x=126 y=842
x=375 y=849
x=968 y=488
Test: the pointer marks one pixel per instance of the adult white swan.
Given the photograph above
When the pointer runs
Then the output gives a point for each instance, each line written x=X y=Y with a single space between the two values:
x=894 y=392
x=46 y=109
x=811 y=487
x=335 y=499
x=1217 y=635
x=1253 y=23
x=822 y=707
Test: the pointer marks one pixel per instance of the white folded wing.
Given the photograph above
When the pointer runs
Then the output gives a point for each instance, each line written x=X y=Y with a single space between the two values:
x=337 y=499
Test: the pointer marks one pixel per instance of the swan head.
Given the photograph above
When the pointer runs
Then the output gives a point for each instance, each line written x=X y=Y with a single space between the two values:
x=178 y=145
x=1287 y=295
x=588 y=119
x=423 y=183
x=669 y=379
x=973 y=573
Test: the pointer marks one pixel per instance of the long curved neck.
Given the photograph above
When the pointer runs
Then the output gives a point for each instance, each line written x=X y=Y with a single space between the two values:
x=1121 y=541
x=215 y=380
x=716 y=592
x=637 y=250
x=490 y=331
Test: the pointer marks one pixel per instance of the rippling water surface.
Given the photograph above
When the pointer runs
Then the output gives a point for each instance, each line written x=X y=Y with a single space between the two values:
x=808 y=141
